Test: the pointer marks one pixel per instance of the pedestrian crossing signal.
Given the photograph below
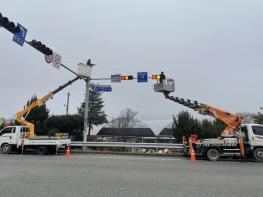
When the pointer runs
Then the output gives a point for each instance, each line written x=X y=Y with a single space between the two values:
x=156 y=77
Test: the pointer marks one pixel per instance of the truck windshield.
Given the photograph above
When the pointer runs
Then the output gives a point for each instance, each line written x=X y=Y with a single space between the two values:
x=6 y=130
x=257 y=130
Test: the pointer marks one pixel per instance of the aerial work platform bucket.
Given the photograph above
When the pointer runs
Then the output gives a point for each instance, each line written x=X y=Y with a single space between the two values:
x=167 y=85
x=84 y=70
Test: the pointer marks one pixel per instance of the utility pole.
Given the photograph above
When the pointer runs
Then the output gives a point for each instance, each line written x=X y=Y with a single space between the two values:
x=67 y=106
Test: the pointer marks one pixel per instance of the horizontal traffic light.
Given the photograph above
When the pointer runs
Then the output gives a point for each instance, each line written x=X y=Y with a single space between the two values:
x=41 y=47
x=156 y=76
x=10 y=26
x=127 y=77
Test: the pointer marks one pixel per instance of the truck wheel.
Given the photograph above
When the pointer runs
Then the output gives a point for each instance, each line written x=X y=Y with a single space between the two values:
x=213 y=154
x=41 y=150
x=6 y=148
x=258 y=154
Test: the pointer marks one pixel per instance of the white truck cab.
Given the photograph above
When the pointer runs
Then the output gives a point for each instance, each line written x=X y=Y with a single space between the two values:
x=13 y=138
x=253 y=140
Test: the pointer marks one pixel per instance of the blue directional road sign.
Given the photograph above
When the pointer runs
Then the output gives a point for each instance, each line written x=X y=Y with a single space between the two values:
x=142 y=77
x=116 y=78
x=20 y=37
x=103 y=88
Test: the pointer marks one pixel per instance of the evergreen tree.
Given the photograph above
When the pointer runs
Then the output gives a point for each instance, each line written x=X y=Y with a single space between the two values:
x=71 y=124
x=212 y=128
x=185 y=125
x=38 y=116
x=96 y=114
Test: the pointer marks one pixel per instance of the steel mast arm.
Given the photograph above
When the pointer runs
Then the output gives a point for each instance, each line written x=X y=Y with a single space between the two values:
x=21 y=115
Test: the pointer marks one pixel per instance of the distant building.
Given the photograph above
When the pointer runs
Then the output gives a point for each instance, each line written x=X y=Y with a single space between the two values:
x=167 y=132
x=126 y=132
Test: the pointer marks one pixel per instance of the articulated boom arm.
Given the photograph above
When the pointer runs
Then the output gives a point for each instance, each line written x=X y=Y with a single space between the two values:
x=21 y=115
x=232 y=120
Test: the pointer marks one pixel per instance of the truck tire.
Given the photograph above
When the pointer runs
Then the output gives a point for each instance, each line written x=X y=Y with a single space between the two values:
x=42 y=150
x=258 y=154
x=6 y=148
x=213 y=154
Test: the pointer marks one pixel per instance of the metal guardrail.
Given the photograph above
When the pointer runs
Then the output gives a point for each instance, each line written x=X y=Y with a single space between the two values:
x=127 y=145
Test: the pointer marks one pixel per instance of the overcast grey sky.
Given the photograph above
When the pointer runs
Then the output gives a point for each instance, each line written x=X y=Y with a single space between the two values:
x=213 y=50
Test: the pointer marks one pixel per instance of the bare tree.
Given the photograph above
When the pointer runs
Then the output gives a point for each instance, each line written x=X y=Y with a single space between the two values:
x=126 y=119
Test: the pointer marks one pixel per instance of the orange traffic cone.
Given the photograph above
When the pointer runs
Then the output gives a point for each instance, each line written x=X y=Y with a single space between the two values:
x=193 y=159
x=68 y=153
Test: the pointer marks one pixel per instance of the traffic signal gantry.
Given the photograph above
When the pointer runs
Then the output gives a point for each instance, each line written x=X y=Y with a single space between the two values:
x=10 y=26
x=49 y=54
x=20 y=37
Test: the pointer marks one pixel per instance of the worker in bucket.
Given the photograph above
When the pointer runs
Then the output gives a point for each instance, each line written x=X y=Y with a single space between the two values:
x=162 y=77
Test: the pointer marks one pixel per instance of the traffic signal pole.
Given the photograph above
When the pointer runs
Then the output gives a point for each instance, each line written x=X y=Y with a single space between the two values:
x=86 y=112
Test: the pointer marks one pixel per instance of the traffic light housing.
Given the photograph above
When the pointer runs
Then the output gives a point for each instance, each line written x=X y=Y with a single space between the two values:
x=156 y=76
x=10 y=26
x=127 y=77
x=41 y=47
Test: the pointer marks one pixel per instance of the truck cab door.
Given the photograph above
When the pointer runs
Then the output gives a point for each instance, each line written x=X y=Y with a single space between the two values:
x=6 y=135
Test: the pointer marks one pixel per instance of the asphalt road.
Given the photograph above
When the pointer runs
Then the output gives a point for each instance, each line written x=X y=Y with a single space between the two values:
x=126 y=176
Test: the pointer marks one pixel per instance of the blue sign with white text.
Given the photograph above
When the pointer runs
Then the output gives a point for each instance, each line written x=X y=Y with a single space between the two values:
x=103 y=88
x=20 y=37
x=142 y=77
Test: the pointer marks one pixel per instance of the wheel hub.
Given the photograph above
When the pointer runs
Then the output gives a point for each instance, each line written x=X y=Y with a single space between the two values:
x=260 y=154
x=5 y=149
